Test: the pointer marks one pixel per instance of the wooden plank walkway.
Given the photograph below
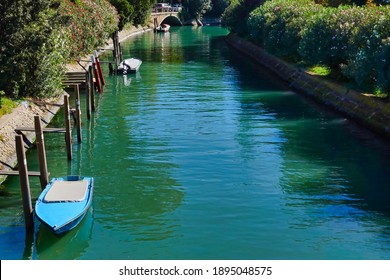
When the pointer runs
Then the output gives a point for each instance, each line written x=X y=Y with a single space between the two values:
x=46 y=129
x=16 y=173
x=74 y=78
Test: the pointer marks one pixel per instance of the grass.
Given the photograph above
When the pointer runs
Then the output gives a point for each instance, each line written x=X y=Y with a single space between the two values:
x=6 y=105
x=319 y=70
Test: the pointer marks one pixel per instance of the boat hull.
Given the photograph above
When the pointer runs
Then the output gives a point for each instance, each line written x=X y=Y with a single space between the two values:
x=64 y=213
x=163 y=28
x=130 y=65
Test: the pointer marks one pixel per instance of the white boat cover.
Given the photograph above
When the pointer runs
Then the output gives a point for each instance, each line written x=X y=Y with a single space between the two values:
x=67 y=191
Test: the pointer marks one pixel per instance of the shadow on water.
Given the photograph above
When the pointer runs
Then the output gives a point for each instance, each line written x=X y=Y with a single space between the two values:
x=71 y=245
x=327 y=159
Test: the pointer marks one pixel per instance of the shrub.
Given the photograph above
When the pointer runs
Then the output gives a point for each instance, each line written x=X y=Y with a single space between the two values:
x=351 y=40
x=326 y=39
x=88 y=25
x=383 y=69
x=369 y=57
x=278 y=25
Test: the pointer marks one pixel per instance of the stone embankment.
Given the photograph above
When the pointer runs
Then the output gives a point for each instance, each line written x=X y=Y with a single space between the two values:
x=23 y=115
x=368 y=111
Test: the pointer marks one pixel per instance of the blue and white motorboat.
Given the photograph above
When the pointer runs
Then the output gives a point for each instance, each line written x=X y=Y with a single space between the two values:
x=64 y=202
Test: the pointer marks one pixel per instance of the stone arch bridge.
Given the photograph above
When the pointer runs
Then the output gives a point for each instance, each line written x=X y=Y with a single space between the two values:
x=171 y=18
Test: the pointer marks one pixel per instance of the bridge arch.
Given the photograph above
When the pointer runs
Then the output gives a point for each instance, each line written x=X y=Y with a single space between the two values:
x=170 y=18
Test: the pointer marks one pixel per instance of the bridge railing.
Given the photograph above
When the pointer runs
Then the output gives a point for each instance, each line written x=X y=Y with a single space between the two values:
x=156 y=10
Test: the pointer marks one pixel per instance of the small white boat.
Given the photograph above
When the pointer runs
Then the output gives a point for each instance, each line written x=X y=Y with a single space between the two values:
x=130 y=65
x=163 y=28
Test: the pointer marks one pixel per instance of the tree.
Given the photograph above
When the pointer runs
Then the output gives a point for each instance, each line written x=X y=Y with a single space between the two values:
x=141 y=10
x=125 y=11
x=218 y=7
x=236 y=14
x=196 y=8
x=31 y=57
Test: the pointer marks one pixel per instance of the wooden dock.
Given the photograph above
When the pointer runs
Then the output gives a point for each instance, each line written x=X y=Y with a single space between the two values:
x=46 y=129
x=75 y=78
x=16 y=173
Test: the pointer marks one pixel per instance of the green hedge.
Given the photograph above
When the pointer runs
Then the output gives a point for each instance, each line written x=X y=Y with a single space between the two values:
x=352 y=40
x=278 y=25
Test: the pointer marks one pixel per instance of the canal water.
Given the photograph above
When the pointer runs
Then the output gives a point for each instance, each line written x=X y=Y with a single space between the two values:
x=203 y=155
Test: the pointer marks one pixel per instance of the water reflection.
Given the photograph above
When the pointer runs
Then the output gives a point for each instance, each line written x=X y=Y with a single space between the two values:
x=208 y=157
x=71 y=245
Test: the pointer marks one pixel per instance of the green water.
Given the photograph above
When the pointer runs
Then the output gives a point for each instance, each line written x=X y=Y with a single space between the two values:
x=202 y=155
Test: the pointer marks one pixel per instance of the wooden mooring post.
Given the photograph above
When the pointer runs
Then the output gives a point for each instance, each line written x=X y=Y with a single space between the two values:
x=155 y=24
x=78 y=114
x=68 y=134
x=97 y=76
x=88 y=95
x=99 y=67
x=92 y=89
x=40 y=142
x=24 y=174
x=24 y=182
x=117 y=53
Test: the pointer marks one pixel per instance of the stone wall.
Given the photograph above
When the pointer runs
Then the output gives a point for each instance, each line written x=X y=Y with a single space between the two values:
x=23 y=116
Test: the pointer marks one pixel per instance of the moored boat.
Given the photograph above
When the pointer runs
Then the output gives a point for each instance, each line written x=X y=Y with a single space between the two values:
x=129 y=65
x=163 y=28
x=63 y=203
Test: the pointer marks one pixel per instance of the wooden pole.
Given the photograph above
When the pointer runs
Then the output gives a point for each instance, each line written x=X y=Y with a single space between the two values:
x=78 y=114
x=114 y=45
x=24 y=182
x=119 y=48
x=96 y=74
x=120 y=52
x=155 y=24
x=99 y=67
x=92 y=88
x=68 y=133
x=40 y=142
x=88 y=95
x=117 y=55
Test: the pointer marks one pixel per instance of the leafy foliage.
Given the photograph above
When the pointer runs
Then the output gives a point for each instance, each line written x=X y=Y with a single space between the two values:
x=217 y=8
x=197 y=8
x=336 y=3
x=278 y=25
x=89 y=23
x=236 y=14
x=31 y=53
x=351 y=40
x=39 y=36
x=125 y=10
x=141 y=10
x=369 y=58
